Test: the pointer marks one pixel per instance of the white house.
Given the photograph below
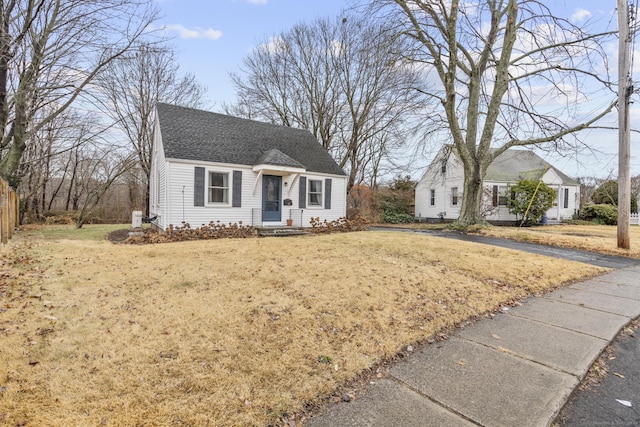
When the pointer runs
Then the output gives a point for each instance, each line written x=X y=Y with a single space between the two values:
x=439 y=191
x=213 y=167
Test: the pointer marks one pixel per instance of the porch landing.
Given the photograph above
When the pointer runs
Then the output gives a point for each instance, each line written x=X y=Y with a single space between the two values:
x=280 y=231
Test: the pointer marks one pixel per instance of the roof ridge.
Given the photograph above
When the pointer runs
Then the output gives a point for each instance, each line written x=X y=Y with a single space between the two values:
x=199 y=135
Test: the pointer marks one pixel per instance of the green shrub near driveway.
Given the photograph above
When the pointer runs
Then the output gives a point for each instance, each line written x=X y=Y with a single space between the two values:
x=600 y=214
x=393 y=217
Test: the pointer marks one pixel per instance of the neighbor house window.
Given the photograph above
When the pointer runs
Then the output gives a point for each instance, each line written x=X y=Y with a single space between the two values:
x=565 y=203
x=454 y=196
x=218 y=187
x=432 y=198
x=315 y=192
x=500 y=195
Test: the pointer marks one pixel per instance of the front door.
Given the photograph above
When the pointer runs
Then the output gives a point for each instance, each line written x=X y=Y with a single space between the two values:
x=271 y=189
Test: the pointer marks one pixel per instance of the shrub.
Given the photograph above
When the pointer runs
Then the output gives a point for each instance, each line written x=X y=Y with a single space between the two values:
x=575 y=221
x=530 y=198
x=214 y=230
x=395 y=201
x=600 y=214
x=607 y=194
x=341 y=224
x=393 y=217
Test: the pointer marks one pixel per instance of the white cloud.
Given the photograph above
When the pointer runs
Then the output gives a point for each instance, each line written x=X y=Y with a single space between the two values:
x=257 y=1
x=275 y=45
x=194 y=33
x=580 y=15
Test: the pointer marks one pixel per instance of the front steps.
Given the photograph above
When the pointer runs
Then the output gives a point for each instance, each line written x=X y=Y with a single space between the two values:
x=280 y=231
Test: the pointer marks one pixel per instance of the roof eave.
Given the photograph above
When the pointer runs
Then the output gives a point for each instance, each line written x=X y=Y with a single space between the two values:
x=278 y=169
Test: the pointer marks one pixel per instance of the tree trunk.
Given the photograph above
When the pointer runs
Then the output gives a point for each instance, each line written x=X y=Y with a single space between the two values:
x=10 y=163
x=72 y=182
x=472 y=196
x=146 y=200
x=5 y=50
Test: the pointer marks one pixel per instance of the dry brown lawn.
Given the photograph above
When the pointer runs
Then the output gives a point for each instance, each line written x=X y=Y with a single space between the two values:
x=595 y=238
x=231 y=332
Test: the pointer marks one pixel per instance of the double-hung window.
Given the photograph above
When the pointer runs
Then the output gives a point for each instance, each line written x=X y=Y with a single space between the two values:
x=218 y=188
x=315 y=193
x=432 y=197
x=500 y=195
x=454 y=196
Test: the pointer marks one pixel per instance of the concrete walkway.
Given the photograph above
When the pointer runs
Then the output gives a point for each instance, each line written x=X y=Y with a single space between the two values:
x=516 y=369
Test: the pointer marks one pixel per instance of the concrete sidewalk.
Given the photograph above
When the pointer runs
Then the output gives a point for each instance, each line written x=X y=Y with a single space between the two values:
x=517 y=369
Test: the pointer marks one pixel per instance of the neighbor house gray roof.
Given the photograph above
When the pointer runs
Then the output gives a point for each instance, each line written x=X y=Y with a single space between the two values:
x=514 y=165
x=198 y=135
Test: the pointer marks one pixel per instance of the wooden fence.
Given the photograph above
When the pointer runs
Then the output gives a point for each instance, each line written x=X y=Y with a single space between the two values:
x=9 y=211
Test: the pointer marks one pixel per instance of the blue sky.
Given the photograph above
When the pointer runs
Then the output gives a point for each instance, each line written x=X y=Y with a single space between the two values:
x=213 y=36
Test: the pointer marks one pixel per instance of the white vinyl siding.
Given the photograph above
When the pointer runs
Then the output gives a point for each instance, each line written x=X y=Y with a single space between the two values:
x=444 y=174
x=338 y=199
x=181 y=190
x=157 y=185
x=437 y=181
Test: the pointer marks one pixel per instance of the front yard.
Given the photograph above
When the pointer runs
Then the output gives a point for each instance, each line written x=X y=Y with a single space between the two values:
x=231 y=332
x=595 y=238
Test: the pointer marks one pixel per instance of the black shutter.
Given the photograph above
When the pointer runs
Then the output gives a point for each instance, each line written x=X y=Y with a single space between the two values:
x=495 y=195
x=237 y=189
x=198 y=186
x=302 y=194
x=327 y=193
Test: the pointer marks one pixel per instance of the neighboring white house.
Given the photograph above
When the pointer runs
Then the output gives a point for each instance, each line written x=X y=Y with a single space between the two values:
x=439 y=192
x=213 y=167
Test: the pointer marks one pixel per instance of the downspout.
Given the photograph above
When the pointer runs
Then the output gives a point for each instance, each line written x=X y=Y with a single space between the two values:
x=558 y=207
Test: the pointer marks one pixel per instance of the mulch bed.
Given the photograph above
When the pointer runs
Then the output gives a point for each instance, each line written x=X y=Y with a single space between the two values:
x=118 y=236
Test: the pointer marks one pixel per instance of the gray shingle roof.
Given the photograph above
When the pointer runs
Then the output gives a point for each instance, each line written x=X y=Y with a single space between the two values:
x=199 y=135
x=278 y=158
x=514 y=165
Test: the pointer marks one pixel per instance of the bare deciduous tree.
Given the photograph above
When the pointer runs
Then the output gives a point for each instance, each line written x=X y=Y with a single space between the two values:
x=132 y=85
x=47 y=160
x=342 y=80
x=103 y=167
x=507 y=73
x=50 y=50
